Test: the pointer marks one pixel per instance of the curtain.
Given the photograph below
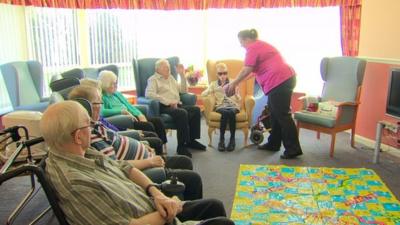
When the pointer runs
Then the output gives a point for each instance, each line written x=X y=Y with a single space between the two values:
x=350 y=20
x=350 y=10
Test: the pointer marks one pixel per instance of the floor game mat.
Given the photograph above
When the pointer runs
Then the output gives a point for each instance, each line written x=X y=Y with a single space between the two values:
x=312 y=195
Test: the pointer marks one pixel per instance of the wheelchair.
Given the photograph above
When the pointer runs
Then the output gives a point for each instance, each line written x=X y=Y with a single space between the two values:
x=262 y=125
x=34 y=171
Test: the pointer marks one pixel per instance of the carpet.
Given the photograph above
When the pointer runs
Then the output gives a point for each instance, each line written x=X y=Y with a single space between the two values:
x=267 y=194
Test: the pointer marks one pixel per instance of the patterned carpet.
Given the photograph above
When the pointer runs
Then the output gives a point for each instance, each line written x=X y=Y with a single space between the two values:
x=312 y=195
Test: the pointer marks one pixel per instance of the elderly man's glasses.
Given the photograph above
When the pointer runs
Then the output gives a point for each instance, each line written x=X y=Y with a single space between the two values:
x=80 y=128
x=222 y=73
x=97 y=103
x=83 y=127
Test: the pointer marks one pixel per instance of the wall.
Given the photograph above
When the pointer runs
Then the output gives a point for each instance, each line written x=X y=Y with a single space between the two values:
x=380 y=45
x=380 y=33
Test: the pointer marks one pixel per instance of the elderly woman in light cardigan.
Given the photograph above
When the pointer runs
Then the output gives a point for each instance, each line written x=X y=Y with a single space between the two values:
x=114 y=103
x=227 y=106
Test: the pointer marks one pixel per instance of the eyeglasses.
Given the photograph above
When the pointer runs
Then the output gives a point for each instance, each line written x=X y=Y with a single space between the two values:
x=80 y=128
x=97 y=103
x=222 y=73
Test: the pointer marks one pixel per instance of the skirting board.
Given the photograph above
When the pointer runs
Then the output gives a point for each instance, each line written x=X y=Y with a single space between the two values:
x=371 y=143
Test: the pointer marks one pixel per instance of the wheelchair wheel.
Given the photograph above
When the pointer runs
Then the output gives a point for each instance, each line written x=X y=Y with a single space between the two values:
x=256 y=137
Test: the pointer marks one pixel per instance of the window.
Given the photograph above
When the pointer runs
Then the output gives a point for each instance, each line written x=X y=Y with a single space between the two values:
x=53 y=40
x=62 y=39
x=112 y=41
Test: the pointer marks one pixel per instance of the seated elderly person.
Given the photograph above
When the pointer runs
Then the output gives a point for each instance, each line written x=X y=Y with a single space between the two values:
x=162 y=86
x=93 y=189
x=114 y=103
x=120 y=147
x=123 y=124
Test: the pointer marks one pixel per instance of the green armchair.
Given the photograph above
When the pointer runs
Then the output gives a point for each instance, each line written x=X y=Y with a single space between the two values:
x=338 y=103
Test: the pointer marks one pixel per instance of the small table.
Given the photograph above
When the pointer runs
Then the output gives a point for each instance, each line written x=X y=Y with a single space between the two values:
x=197 y=90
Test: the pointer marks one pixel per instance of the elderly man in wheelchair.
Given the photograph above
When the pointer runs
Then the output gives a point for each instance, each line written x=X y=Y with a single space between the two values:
x=92 y=189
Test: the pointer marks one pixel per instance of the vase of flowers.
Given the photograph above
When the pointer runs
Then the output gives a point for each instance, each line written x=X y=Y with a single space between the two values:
x=193 y=76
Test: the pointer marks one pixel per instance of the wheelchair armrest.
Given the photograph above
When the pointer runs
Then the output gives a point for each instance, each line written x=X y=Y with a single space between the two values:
x=188 y=98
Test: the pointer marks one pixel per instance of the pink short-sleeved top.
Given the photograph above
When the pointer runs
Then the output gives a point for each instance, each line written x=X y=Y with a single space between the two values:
x=268 y=65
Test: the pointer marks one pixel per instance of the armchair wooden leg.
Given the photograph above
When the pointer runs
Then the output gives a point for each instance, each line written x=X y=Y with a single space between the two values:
x=332 y=145
x=210 y=131
x=353 y=133
x=246 y=135
x=318 y=135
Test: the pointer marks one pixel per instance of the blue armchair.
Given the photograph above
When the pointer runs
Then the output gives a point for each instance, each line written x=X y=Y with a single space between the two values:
x=145 y=68
x=338 y=103
x=24 y=82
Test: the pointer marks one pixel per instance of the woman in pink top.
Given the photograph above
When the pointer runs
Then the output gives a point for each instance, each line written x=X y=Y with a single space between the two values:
x=277 y=80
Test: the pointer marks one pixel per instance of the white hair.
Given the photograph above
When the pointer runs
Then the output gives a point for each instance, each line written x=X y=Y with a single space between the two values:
x=160 y=62
x=107 y=78
x=59 y=120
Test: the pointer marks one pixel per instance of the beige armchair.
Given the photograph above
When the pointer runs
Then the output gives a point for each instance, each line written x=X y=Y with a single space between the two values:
x=244 y=117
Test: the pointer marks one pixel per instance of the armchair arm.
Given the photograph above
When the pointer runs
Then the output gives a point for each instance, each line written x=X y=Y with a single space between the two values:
x=153 y=106
x=249 y=103
x=347 y=111
x=143 y=108
x=209 y=103
x=188 y=98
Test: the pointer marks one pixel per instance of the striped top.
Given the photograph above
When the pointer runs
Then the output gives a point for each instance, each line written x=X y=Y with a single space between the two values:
x=96 y=190
x=117 y=146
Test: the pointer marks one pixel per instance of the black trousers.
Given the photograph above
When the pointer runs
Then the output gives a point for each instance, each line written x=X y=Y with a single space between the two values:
x=228 y=115
x=208 y=211
x=153 y=124
x=187 y=121
x=153 y=140
x=283 y=128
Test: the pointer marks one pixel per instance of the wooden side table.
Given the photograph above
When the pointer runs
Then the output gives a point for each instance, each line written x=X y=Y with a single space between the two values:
x=197 y=90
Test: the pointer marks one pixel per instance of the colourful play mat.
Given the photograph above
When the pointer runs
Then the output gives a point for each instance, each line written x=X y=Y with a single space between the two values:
x=312 y=195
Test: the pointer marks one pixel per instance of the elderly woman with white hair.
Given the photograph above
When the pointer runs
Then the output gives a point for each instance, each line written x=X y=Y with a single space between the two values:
x=227 y=106
x=114 y=103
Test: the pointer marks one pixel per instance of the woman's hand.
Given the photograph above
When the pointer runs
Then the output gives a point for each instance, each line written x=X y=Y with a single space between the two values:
x=142 y=118
x=157 y=161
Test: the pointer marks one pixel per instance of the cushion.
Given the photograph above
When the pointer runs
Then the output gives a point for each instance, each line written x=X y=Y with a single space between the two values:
x=328 y=108
x=315 y=118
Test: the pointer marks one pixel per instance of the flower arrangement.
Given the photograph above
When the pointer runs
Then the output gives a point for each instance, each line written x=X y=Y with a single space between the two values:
x=193 y=76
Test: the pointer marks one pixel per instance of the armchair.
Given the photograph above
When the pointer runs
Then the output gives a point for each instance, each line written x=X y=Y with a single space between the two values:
x=24 y=82
x=342 y=78
x=244 y=117
x=145 y=68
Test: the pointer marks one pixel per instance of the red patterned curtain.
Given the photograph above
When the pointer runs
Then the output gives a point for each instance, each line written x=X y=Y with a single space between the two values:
x=350 y=10
x=350 y=21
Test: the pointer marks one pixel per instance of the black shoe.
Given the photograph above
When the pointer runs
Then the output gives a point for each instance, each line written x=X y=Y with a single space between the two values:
x=221 y=145
x=269 y=147
x=196 y=145
x=286 y=155
x=183 y=151
x=231 y=145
